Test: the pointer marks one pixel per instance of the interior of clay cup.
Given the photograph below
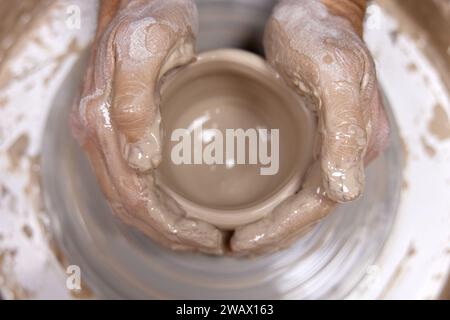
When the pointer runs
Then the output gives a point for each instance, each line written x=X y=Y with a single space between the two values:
x=231 y=90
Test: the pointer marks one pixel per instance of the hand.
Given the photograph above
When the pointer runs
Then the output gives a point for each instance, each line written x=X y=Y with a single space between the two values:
x=117 y=119
x=316 y=47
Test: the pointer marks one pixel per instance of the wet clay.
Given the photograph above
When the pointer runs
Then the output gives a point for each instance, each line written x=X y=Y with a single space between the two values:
x=17 y=19
x=327 y=61
x=117 y=118
x=439 y=124
x=233 y=89
x=118 y=122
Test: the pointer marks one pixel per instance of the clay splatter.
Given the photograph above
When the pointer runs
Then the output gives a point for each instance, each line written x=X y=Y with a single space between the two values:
x=412 y=67
x=439 y=124
x=405 y=153
x=3 y=102
x=10 y=286
x=17 y=151
x=27 y=231
x=394 y=35
x=428 y=148
x=405 y=185
x=399 y=270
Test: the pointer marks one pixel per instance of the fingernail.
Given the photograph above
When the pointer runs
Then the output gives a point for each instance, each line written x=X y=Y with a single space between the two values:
x=143 y=155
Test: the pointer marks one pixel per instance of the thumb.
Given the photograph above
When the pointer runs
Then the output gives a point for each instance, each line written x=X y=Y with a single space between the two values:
x=143 y=54
x=347 y=83
x=344 y=143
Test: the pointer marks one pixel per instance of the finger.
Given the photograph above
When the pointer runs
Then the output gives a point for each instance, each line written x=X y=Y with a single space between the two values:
x=332 y=76
x=144 y=207
x=134 y=197
x=344 y=143
x=348 y=84
x=98 y=165
x=287 y=221
x=112 y=196
x=107 y=11
x=145 y=51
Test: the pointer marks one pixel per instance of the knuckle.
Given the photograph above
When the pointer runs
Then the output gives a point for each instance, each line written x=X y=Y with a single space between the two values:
x=349 y=136
x=349 y=57
x=131 y=120
x=142 y=37
x=128 y=112
x=121 y=30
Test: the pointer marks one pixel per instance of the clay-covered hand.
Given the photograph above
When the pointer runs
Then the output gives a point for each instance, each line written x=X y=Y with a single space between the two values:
x=317 y=47
x=117 y=119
